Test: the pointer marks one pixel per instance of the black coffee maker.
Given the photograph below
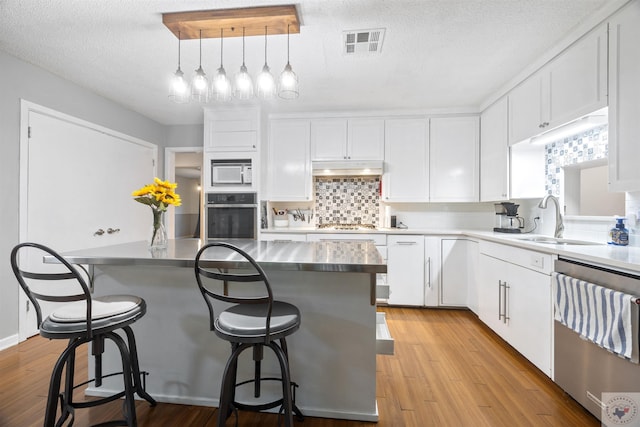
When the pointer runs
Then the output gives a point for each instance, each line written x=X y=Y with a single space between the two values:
x=507 y=219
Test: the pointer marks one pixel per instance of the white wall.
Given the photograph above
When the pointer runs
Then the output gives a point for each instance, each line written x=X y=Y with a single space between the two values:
x=20 y=80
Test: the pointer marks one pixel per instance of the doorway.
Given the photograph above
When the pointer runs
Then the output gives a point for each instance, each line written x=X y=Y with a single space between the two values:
x=183 y=165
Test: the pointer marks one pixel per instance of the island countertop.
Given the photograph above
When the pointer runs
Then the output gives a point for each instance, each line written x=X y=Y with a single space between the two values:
x=356 y=256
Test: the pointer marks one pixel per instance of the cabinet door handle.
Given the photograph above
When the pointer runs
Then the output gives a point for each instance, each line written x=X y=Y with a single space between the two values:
x=428 y=272
x=506 y=302
x=499 y=299
x=407 y=243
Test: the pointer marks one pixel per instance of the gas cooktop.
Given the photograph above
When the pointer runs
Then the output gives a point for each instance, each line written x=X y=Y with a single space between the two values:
x=335 y=226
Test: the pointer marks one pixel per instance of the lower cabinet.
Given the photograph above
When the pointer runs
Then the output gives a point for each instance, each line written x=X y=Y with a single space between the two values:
x=455 y=271
x=406 y=270
x=514 y=299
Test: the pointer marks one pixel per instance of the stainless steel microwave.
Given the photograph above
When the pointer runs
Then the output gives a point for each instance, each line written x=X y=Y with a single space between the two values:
x=231 y=172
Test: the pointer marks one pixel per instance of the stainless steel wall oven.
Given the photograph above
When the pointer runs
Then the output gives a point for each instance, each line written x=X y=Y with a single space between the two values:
x=231 y=216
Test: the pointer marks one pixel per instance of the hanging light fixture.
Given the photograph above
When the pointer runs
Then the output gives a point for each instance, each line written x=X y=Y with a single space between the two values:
x=199 y=83
x=288 y=85
x=179 y=89
x=265 y=83
x=221 y=87
x=243 y=83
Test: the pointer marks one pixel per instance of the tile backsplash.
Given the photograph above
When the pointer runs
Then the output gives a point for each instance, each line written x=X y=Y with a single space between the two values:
x=347 y=200
x=583 y=147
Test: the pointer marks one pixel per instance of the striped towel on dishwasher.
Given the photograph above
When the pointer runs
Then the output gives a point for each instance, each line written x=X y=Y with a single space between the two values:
x=600 y=315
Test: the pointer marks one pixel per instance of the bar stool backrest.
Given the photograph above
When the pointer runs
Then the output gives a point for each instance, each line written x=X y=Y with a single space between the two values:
x=217 y=283
x=50 y=292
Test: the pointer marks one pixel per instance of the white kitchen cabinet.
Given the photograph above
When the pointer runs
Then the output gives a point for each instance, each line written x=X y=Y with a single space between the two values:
x=289 y=170
x=526 y=118
x=365 y=139
x=572 y=85
x=406 y=160
x=494 y=152
x=454 y=272
x=347 y=139
x=624 y=93
x=328 y=139
x=453 y=160
x=231 y=130
x=515 y=299
x=577 y=79
x=406 y=270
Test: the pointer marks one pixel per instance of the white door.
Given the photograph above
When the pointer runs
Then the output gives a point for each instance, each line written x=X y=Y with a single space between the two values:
x=78 y=180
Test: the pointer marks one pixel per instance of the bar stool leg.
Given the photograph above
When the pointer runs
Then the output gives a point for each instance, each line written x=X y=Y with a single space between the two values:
x=228 y=388
x=135 y=367
x=286 y=384
x=129 y=402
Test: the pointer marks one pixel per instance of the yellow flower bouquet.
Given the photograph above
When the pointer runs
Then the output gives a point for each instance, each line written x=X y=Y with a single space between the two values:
x=158 y=196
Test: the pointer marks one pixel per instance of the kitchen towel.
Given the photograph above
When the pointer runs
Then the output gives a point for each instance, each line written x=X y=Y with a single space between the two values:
x=600 y=315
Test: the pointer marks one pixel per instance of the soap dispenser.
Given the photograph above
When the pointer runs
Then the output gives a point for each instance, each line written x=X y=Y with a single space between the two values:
x=619 y=234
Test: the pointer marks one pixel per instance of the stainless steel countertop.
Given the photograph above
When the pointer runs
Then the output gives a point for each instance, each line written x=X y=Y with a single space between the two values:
x=356 y=256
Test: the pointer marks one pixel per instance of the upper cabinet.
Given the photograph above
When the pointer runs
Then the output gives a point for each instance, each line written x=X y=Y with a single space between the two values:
x=453 y=159
x=406 y=160
x=347 y=139
x=624 y=96
x=289 y=171
x=494 y=153
x=571 y=85
x=578 y=79
x=231 y=130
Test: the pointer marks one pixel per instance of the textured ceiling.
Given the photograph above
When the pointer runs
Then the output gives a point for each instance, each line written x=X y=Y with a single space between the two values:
x=436 y=53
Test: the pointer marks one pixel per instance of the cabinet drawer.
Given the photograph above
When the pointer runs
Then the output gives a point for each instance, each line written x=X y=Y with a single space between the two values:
x=532 y=260
x=378 y=239
x=283 y=237
x=384 y=340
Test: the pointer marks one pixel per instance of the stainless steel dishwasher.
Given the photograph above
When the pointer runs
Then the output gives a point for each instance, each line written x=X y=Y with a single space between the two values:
x=583 y=369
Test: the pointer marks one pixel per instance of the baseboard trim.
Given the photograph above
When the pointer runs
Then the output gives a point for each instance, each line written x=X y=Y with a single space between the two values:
x=9 y=341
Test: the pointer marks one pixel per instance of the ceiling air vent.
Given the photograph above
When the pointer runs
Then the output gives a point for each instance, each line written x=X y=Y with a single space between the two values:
x=363 y=42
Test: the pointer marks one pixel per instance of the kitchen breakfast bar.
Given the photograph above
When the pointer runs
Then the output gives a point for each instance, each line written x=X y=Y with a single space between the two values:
x=332 y=355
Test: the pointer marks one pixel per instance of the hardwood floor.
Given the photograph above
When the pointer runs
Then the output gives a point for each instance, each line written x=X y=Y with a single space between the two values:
x=448 y=370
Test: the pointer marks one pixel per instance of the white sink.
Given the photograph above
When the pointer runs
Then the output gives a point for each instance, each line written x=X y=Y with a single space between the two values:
x=557 y=241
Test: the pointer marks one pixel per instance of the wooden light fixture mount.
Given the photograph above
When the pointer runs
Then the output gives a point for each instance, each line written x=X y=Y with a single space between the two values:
x=232 y=21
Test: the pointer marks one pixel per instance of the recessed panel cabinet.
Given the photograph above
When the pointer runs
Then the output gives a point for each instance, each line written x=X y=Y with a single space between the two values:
x=347 y=139
x=231 y=130
x=573 y=84
x=514 y=299
x=624 y=99
x=289 y=170
x=406 y=160
x=406 y=270
x=494 y=153
x=453 y=159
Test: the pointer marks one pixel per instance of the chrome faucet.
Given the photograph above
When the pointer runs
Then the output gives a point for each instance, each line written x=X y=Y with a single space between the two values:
x=559 y=224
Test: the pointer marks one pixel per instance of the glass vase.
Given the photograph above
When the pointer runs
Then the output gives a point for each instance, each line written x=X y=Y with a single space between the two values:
x=158 y=232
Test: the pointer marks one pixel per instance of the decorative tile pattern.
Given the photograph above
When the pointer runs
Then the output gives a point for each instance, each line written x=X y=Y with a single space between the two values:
x=347 y=200
x=583 y=147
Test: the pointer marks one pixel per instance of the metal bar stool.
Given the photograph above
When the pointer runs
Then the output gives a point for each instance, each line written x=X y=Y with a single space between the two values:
x=254 y=321
x=82 y=319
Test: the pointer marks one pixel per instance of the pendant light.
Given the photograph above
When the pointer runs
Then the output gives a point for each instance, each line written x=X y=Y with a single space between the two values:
x=179 y=89
x=199 y=83
x=265 y=83
x=243 y=82
x=221 y=87
x=288 y=84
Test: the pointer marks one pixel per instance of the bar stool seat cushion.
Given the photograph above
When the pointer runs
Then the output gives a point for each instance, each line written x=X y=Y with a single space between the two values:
x=107 y=313
x=248 y=321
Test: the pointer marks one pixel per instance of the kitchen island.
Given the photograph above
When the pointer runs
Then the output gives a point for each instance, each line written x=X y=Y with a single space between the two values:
x=332 y=355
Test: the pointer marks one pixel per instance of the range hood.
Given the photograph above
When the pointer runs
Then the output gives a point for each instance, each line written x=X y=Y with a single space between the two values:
x=346 y=167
